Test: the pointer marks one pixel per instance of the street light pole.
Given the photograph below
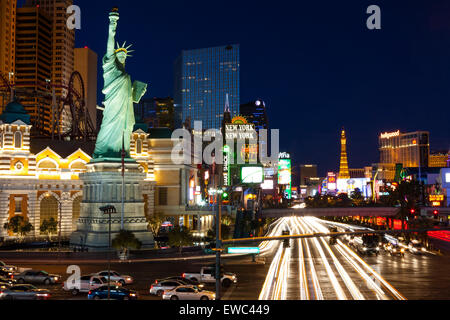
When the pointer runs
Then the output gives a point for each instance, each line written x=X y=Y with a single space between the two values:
x=59 y=233
x=109 y=210
x=218 y=242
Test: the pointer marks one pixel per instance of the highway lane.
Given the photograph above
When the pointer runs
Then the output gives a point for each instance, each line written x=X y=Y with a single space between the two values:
x=311 y=269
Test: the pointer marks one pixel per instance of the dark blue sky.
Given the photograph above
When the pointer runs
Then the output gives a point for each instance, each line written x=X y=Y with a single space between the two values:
x=315 y=64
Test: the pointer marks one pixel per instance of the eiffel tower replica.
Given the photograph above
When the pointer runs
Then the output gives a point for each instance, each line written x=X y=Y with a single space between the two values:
x=344 y=173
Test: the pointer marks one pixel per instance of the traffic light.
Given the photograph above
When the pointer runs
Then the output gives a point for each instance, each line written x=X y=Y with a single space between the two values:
x=413 y=211
x=225 y=196
x=436 y=214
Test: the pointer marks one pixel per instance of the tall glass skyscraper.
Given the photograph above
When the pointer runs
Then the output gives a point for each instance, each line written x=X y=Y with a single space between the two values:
x=203 y=78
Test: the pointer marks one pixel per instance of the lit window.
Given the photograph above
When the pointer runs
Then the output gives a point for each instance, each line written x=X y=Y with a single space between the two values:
x=138 y=146
x=18 y=140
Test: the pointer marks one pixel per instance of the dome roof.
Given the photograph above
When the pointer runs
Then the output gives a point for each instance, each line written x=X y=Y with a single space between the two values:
x=13 y=112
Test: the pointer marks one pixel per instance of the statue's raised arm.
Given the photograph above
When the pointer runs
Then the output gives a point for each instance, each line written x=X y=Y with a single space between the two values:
x=113 y=18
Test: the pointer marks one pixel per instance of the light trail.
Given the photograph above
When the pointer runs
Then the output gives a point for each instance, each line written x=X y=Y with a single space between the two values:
x=277 y=280
x=334 y=281
x=352 y=254
x=315 y=280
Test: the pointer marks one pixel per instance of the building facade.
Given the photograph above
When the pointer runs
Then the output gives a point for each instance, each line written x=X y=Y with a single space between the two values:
x=39 y=179
x=8 y=38
x=34 y=65
x=86 y=65
x=203 y=78
x=439 y=159
x=62 y=47
x=412 y=150
x=255 y=112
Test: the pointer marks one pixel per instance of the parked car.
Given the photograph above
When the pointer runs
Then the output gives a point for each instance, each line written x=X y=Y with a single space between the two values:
x=24 y=292
x=117 y=277
x=7 y=282
x=206 y=275
x=6 y=274
x=88 y=283
x=5 y=267
x=158 y=288
x=188 y=293
x=415 y=247
x=184 y=280
x=37 y=277
x=116 y=293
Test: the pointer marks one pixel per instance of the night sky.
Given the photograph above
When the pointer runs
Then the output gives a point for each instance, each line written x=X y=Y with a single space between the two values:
x=314 y=63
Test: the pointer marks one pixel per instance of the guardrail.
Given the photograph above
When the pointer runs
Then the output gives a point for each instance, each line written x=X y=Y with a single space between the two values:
x=323 y=235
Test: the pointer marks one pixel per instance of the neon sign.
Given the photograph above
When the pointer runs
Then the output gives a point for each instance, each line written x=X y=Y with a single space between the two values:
x=389 y=135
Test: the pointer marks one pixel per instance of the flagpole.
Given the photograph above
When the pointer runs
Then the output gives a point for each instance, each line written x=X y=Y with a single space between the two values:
x=123 y=182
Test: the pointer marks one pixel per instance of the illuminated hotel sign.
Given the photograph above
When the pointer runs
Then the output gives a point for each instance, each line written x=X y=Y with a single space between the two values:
x=240 y=129
x=331 y=181
x=284 y=155
x=436 y=199
x=389 y=135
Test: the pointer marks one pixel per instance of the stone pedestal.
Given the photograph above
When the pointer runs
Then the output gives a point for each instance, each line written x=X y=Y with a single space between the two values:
x=103 y=187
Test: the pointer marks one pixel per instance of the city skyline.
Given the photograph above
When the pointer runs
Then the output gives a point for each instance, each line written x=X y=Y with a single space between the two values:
x=353 y=204
x=301 y=77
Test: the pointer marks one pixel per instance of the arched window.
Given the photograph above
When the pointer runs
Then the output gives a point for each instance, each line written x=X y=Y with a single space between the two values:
x=49 y=209
x=18 y=140
x=47 y=164
x=139 y=146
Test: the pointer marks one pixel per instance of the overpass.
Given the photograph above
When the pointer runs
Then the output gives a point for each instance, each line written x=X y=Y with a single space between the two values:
x=332 y=212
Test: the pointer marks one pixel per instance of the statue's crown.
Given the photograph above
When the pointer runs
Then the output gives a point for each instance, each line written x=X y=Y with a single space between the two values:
x=124 y=49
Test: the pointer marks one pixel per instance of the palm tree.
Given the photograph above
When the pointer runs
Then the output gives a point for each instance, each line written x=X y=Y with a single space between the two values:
x=155 y=221
x=49 y=227
x=126 y=240
x=19 y=225
x=180 y=237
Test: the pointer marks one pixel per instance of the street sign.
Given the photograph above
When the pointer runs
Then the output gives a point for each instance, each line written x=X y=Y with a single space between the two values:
x=254 y=250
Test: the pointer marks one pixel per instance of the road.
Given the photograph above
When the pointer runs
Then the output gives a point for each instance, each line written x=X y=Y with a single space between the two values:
x=310 y=270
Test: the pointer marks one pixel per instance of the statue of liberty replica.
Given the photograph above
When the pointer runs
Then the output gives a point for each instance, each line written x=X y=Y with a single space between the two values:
x=118 y=117
x=113 y=179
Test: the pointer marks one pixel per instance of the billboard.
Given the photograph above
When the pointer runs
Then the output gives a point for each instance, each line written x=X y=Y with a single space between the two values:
x=252 y=175
x=268 y=184
x=284 y=172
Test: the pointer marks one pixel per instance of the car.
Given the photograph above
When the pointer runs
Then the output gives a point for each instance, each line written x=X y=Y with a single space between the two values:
x=394 y=249
x=116 y=293
x=117 y=277
x=158 y=288
x=333 y=239
x=37 y=277
x=5 y=267
x=189 y=292
x=6 y=274
x=366 y=245
x=415 y=247
x=7 y=282
x=207 y=275
x=184 y=280
x=24 y=292
x=88 y=283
